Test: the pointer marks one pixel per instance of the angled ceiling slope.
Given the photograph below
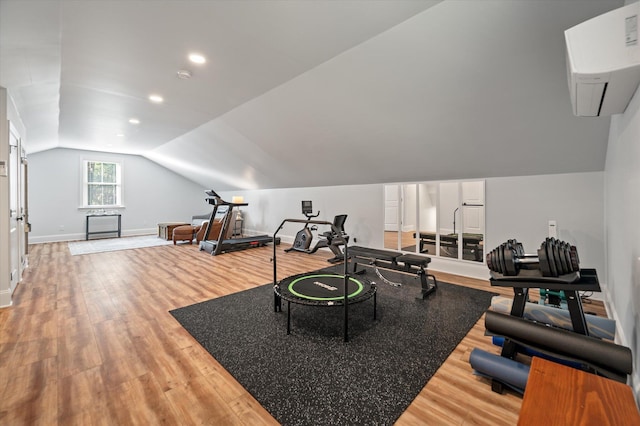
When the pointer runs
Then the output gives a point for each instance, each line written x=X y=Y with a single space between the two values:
x=312 y=93
x=465 y=89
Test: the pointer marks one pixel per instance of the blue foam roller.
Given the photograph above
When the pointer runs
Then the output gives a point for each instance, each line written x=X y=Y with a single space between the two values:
x=603 y=328
x=504 y=370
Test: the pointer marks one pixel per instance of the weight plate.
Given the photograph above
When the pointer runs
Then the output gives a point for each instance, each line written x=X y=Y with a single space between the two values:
x=552 y=263
x=575 y=261
x=501 y=258
x=543 y=263
x=494 y=260
x=556 y=257
x=566 y=266
x=567 y=257
x=511 y=268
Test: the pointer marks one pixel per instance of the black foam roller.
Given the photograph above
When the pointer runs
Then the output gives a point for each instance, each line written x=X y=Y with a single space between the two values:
x=609 y=356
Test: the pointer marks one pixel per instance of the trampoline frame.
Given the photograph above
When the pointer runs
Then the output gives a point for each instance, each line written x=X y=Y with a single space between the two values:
x=278 y=295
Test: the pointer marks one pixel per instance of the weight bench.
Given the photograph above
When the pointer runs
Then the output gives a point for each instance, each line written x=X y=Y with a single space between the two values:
x=396 y=261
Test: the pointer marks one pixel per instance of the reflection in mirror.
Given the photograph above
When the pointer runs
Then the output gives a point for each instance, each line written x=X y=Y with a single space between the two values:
x=472 y=214
x=391 y=216
x=436 y=218
x=409 y=221
x=428 y=195
x=400 y=217
x=448 y=201
x=439 y=219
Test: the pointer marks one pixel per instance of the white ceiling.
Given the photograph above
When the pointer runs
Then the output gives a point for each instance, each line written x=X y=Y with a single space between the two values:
x=305 y=93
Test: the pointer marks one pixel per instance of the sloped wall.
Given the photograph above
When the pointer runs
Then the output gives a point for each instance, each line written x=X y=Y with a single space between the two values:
x=622 y=212
x=151 y=193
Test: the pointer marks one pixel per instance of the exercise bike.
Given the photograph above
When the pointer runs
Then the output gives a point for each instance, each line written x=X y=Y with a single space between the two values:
x=304 y=237
x=302 y=242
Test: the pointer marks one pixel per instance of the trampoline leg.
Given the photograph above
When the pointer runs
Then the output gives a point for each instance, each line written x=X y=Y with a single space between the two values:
x=277 y=303
x=346 y=322
x=375 y=304
x=288 y=317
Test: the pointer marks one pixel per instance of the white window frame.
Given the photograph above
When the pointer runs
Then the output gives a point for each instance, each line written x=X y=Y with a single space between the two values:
x=85 y=184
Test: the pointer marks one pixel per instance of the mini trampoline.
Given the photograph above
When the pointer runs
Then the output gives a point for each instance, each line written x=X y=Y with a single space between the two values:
x=321 y=289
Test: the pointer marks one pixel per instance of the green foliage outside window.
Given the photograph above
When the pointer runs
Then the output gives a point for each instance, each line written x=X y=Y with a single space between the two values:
x=102 y=184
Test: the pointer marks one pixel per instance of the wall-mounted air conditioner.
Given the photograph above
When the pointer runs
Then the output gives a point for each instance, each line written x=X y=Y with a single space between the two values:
x=603 y=62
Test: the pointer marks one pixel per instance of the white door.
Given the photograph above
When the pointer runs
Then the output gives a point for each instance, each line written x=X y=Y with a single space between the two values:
x=391 y=204
x=473 y=207
x=23 y=225
x=14 y=208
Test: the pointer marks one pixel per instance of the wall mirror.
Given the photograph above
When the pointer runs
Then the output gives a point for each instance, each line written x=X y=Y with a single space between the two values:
x=444 y=219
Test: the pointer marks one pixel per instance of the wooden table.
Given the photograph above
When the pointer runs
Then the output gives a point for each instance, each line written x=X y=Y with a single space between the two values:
x=560 y=395
x=117 y=230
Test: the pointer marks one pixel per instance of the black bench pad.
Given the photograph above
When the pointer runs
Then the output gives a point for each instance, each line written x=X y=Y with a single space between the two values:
x=387 y=255
x=414 y=259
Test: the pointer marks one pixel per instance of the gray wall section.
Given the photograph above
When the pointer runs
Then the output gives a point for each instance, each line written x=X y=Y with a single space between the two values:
x=516 y=207
x=622 y=212
x=521 y=207
x=151 y=194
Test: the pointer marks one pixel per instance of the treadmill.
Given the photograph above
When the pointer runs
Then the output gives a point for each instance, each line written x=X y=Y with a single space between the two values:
x=218 y=244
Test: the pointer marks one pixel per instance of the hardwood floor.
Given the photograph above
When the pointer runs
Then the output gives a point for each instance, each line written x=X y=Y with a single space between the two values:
x=89 y=340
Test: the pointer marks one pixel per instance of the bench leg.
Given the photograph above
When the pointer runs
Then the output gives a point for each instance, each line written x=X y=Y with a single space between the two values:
x=427 y=288
x=355 y=268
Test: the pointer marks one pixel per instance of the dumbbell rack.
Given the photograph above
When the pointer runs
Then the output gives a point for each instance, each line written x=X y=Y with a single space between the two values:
x=585 y=280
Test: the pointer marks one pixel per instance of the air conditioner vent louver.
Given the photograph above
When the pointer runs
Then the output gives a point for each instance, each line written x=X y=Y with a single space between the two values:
x=603 y=62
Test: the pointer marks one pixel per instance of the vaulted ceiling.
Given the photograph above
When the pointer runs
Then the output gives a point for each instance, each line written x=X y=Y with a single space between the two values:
x=305 y=93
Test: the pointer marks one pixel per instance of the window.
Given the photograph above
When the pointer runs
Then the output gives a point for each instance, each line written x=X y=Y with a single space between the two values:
x=102 y=184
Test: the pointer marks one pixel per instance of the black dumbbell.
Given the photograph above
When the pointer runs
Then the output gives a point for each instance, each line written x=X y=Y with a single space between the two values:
x=554 y=258
x=508 y=258
x=557 y=258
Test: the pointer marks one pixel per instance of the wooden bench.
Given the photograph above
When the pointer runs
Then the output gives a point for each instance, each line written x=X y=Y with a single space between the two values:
x=396 y=261
x=557 y=394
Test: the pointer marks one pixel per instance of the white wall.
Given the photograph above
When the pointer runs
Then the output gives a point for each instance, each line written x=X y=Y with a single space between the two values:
x=362 y=203
x=622 y=212
x=521 y=207
x=8 y=113
x=517 y=207
x=5 y=247
x=151 y=194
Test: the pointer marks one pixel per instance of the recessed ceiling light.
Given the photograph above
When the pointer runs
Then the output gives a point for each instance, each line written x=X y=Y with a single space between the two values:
x=197 y=58
x=156 y=98
x=183 y=74
x=134 y=121
x=120 y=135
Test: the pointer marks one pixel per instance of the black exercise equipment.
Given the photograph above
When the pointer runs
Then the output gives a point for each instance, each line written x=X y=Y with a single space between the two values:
x=329 y=238
x=597 y=356
x=555 y=258
x=320 y=289
x=393 y=260
x=530 y=271
x=303 y=238
x=220 y=243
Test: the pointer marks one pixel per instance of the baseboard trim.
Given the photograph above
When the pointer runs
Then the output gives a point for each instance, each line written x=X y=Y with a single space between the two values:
x=5 y=298
x=41 y=239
